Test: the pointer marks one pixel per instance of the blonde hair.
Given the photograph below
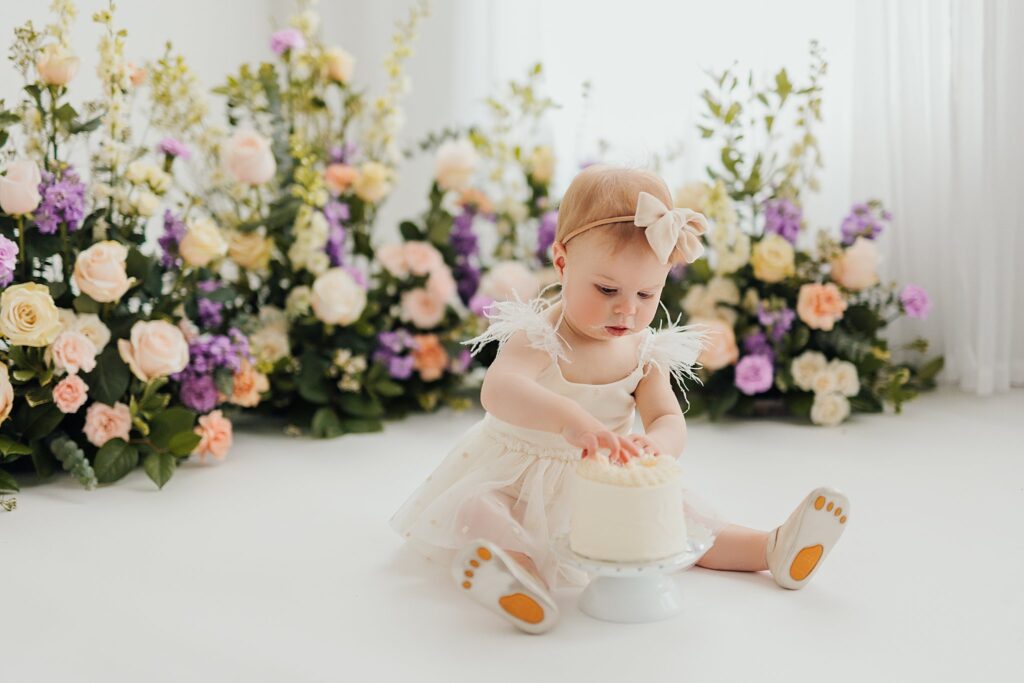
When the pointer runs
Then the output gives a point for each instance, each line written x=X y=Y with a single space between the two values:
x=600 y=192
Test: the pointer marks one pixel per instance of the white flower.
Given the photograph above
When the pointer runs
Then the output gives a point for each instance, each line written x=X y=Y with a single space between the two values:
x=542 y=164
x=456 y=161
x=824 y=383
x=270 y=344
x=202 y=243
x=845 y=373
x=806 y=366
x=90 y=325
x=829 y=409
x=145 y=204
x=337 y=298
x=298 y=301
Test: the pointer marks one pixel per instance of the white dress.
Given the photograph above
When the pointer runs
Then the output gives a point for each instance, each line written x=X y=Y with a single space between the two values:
x=510 y=484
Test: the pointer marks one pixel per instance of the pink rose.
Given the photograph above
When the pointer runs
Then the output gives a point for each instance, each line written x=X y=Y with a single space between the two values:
x=721 y=349
x=248 y=384
x=103 y=423
x=508 y=280
x=215 y=432
x=247 y=157
x=73 y=352
x=820 y=306
x=422 y=257
x=19 y=189
x=441 y=284
x=101 y=271
x=422 y=308
x=156 y=349
x=339 y=177
x=56 y=65
x=70 y=394
x=857 y=267
x=392 y=257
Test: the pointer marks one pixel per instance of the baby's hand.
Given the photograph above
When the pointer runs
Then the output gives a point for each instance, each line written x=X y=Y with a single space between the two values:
x=645 y=444
x=590 y=439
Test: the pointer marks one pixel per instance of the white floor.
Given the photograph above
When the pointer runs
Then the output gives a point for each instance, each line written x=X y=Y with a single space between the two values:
x=278 y=565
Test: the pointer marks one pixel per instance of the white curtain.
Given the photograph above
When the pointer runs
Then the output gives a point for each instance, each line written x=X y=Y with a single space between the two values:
x=938 y=111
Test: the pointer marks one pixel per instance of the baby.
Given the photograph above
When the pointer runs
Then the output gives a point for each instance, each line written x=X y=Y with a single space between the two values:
x=567 y=381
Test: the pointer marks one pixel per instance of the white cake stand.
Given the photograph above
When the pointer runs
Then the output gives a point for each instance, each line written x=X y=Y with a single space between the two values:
x=634 y=592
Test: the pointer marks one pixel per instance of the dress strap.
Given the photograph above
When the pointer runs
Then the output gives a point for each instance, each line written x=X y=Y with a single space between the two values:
x=674 y=350
x=508 y=317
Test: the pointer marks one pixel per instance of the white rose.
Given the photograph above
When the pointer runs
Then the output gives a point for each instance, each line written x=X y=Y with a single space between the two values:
x=824 y=383
x=318 y=262
x=733 y=254
x=298 y=302
x=542 y=164
x=845 y=373
x=93 y=328
x=156 y=348
x=806 y=366
x=202 y=243
x=829 y=409
x=373 y=182
x=337 y=298
x=693 y=196
x=56 y=65
x=248 y=158
x=101 y=271
x=146 y=204
x=455 y=164
x=270 y=344
x=723 y=290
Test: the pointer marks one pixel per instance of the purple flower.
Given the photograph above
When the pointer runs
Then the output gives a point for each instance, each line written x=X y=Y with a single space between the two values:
x=862 y=221
x=62 y=201
x=460 y=364
x=173 y=147
x=341 y=154
x=400 y=367
x=777 y=321
x=199 y=392
x=783 y=218
x=546 y=234
x=754 y=374
x=210 y=313
x=174 y=232
x=207 y=286
x=462 y=238
x=757 y=344
x=467 y=278
x=8 y=260
x=478 y=303
x=287 y=39
x=915 y=301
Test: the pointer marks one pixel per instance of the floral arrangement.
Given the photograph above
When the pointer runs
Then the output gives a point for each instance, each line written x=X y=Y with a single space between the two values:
x=294 y=184
x=94 y=343
x=796 y=328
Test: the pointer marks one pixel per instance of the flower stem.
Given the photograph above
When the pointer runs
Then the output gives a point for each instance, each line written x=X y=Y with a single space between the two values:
x=25 y=273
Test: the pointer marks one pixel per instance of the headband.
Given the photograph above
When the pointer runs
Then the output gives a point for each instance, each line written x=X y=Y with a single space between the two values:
x=666 y=229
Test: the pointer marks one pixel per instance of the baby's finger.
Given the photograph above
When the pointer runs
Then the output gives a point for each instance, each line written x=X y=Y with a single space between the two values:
x=610 y=441
x=631 y=447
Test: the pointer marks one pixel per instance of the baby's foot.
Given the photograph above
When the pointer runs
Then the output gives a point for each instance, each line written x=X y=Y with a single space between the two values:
x=797 y=548
x=487 y=574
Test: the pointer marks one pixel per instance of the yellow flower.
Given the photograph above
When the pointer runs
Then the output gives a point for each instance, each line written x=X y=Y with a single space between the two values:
x=28 y=316
x=773 y=259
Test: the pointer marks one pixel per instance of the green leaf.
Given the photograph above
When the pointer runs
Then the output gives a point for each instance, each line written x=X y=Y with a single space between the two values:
x=326 y=424
x=83 y=303
x=386 y=387
x=9 y=446
x=108 y=382
x=410 y=231
x=312 y=379
x=358 y=426
x=169 y=423
x=41 y=422
x=86 y=126
x=361 y=406
x=928 y=371
x=160 y=467
x=7 y=483
x=183 y=443
x=115 y=459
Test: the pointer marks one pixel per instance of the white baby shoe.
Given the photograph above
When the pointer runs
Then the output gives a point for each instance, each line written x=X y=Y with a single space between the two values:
x=797 y=548
x=487 y=574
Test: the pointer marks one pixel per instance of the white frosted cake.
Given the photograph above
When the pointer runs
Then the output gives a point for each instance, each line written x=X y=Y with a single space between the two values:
x=627 y=513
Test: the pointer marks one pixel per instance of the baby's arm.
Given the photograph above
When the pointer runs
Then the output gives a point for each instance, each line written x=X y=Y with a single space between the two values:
x=663 y=420
x=511 y=393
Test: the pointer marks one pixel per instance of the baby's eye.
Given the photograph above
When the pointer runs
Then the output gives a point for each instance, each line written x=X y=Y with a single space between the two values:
x=645 y=295
x=606 y=290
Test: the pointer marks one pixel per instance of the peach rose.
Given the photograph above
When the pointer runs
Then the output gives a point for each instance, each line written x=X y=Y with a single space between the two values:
x=339 y=177
x=721 y=349
x=249 y=383
x=248 y=158
x=215 y=432
x=392 y=257
x=70 y=394
x=373 y=182
x=456 y=161
x=509 y=279
x=422 y=309
x=6 y=394
x=429 y=357
x=474 y=197
x=73 y=352
x=820 y=306
x=101 y=273
x=156 y=349
x=19 y=188
x=103 y=423
x=857 y=267
x=441 y=284
x=338 y=64
x=422 y=257
x=56 y=65
x=337 y=299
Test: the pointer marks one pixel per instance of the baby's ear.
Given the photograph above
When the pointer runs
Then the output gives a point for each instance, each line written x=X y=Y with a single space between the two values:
x=558 y=256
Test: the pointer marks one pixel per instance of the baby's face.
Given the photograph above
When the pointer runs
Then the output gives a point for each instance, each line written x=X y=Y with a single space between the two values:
x=609 y=293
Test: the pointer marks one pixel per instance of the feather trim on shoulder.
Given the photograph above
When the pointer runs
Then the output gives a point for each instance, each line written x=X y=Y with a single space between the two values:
x=674 y=350
x=508 y=317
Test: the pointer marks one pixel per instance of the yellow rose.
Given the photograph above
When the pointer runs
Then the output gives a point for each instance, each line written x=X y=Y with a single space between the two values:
x=773 y=259
x=542 y=164
x=338 y=64
x=373 y=183
x=202 y=243
x=250 y=250
x=28 y=316
x=100 y=271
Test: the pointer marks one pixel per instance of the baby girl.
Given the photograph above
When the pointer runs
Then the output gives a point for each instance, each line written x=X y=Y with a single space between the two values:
x=568 y=379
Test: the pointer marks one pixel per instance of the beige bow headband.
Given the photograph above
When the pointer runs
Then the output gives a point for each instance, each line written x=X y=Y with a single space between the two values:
x=666 y=229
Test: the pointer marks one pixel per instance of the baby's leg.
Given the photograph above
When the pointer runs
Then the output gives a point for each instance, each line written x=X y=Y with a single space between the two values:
x=737 y=549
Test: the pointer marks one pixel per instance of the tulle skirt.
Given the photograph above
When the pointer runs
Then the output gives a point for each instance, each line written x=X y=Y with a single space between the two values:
x=510 y=485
